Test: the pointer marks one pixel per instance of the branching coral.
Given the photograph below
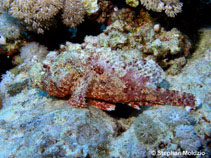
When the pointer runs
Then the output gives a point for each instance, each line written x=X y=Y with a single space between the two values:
x=73 y=13
x=39 y=15
x=36 y=15
x=171 y=7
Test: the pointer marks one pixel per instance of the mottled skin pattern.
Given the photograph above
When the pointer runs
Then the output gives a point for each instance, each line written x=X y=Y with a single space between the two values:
x=104 y=79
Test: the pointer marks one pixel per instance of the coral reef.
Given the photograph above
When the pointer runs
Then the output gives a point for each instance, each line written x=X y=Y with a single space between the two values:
x=105 y=8
x=127 y=30
x=70 y=132
x=132 y=3
x=171 y=7
x=122 y=65
x=6 y=80
x=172 y=116
x=33 y=52
x=36 y=15
x=199 y=84
x=85 y=133
x=187 y=137
x=146 y=130
x=12 y=84
x=11 y=47
x=9 y=27
x=91 y=6
x=41 y=15
x=10 y=33
x=73 y=13
x=149 y=134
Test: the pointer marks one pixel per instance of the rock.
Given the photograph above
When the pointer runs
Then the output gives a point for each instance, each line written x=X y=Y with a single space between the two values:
x=33 y=124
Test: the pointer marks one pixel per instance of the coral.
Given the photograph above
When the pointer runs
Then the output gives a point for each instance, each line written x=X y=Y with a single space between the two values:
x=2 y=40
x=33 y=52
x=171 y=7
x=189 y=141
x=59 y=131
x=33 y=124
x=176 y=65
x=9 y=27
x=195 y=78
x=167 y=42
x=10 y=33
x=17 y=60
x=36 y=15
x=167 y=129
x=12 y=46
x=99 y=10
x=6 y=80
x=5 y=4
x=127 y=30
x=17 y=87
x=132 y=3
x=114 y=39
x=41 y=15
x=171 y=116
x=103 y=76
x=12 y=84
x=90 y=5
x=146 y=130
x=73 y=13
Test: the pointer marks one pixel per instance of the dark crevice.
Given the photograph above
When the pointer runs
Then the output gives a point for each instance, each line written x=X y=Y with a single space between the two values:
x=61 y=34
x=125 y=111
x=5 y=64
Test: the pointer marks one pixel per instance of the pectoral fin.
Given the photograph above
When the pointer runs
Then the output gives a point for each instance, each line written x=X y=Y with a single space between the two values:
x=77 y=98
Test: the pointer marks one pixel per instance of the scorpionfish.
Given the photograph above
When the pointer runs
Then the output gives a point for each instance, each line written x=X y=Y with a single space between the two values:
x=104 y=77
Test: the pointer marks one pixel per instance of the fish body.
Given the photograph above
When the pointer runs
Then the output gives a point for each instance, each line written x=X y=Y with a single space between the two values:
x=105 y=77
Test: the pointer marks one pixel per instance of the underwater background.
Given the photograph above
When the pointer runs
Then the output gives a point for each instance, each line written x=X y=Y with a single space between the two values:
x=105 y=78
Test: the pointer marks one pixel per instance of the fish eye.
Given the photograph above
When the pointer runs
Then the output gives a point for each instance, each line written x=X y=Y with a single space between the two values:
x=45 y=66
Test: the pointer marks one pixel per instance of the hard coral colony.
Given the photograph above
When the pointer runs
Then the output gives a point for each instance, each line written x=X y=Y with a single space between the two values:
x=40 y=15
x=104 y=77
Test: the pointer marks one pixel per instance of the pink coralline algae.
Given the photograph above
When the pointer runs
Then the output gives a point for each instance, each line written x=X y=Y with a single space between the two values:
x=104 y=77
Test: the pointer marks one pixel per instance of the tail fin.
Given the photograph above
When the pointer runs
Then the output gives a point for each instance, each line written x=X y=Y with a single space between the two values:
x=176 y=98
